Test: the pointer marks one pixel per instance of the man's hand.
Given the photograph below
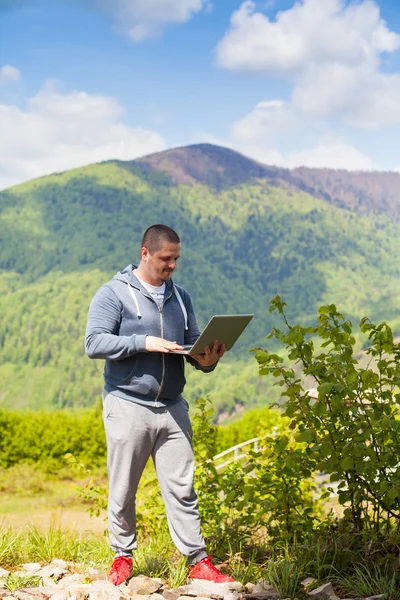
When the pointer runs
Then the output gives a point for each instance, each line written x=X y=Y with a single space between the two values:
x=155 y=344
x=210 y=356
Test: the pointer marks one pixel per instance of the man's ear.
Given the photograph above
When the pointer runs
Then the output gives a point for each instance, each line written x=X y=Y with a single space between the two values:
x=144 y=253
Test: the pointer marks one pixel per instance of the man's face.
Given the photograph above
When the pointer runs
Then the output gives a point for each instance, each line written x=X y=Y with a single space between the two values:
x=160 y=265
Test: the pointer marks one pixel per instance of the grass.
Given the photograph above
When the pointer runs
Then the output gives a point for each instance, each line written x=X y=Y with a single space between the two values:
x=283 y=568
x=285 y=575
x=244 y=564
x=370 y=580
x=15 y=581
x=34 y=545
x=357 y=565
x=10 y=545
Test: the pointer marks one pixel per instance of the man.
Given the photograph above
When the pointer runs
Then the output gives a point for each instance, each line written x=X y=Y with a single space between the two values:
x=135 y=322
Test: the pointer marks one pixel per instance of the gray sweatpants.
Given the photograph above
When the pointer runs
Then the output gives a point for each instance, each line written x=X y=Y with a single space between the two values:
x=134 y=433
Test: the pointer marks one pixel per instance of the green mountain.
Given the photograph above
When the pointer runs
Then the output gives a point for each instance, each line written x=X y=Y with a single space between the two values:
x=248 y=232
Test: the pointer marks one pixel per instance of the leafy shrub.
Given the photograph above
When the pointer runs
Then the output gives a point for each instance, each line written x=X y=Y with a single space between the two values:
x=45 y=437
x=352 y=430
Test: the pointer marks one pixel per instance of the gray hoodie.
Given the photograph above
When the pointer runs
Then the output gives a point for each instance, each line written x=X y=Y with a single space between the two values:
x=121 y=314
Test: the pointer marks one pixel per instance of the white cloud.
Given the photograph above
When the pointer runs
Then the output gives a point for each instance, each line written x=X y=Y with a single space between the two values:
x=9 y=74
x=59 y=131
x=273 y=134
x=331 y=50
x=267 y=119
x=141 y=19
x=310 y=32
x=334 y=155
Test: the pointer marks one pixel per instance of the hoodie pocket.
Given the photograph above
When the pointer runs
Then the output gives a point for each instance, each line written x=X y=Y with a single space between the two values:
x=121 y=371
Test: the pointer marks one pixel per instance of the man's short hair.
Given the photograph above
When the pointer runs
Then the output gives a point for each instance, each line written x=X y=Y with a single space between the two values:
x=155 y=236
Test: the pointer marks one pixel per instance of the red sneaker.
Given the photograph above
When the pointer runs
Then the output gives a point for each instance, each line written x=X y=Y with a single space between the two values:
x=204 y=569
x=121 y=570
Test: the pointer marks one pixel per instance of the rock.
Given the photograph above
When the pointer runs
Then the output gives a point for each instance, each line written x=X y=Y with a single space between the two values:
x=22 y=595
x=31 y=567
x=79 y=594
x=58 y=562
x=263 y=591
x=59 y=596
x=378 y=597
x=103 y=584
x=52 y=571
x=96 y=574
x=76 y=579
x=250 y=587
x=324 y=592
x=190 y=598
x=171 y=594
x=308 y=581
x=140 y=597
x=143 y=585
x=191 y=591
x=39 y=592
x=157 y=596
x=49 y=582
x=214 y=590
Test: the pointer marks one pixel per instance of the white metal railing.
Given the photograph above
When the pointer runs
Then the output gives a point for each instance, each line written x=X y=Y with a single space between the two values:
x=237 y=451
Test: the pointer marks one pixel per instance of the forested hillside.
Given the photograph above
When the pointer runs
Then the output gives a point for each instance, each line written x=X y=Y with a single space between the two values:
x=249 y=232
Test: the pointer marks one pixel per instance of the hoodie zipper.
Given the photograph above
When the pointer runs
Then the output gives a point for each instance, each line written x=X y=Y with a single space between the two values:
x=162 y=357
x=162 y=335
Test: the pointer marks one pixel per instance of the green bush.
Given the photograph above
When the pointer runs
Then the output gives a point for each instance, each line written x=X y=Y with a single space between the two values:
x=45 y=437
x=351 y=431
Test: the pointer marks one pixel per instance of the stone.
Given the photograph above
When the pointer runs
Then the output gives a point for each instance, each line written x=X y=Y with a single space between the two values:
x=157 y=596
x=190 y=598
x=250 y=586
x=39 y=592
x=324 y=592
x=96 y=574
x=140 y=597
x=171 y=594
x=234 y=586
x=212 y=589
x=143 y=585
x=378 y=597
x=49 y=582
x=59 y=596
x=308 y=581
x=73 y=579
x=52 y=571
x=59 y=562
x=80 y=594
x=31 y=567
x=190 y=591
x=269 y=593
x=263 y=591
x=22 y=595
x=103 y=584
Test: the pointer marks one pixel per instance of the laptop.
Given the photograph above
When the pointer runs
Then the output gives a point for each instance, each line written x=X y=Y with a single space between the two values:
x=224 y=328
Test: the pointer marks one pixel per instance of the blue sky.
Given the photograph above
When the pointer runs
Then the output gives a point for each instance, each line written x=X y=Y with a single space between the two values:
x=313 y=82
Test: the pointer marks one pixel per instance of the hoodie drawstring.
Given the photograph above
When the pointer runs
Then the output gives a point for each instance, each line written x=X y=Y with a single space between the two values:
x=177 y=294
x=139 y=314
